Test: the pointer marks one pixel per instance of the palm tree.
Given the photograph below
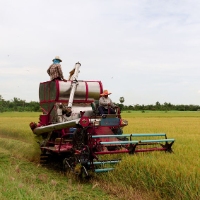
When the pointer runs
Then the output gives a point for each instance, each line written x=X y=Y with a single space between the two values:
x=121 y=99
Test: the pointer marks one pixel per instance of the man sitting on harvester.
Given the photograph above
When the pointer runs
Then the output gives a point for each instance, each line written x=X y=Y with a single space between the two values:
x=106 y=106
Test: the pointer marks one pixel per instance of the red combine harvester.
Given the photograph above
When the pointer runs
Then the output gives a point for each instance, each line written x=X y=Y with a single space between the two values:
x=72 y=131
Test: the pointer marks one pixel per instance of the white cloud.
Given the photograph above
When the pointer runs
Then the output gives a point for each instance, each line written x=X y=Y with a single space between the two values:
x=20 y=71
x=142 y=50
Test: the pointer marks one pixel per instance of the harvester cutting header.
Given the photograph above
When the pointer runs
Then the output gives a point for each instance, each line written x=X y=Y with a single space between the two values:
x=73 y=131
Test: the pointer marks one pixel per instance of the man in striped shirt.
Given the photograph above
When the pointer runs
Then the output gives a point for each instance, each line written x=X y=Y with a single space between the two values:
x=55 y=70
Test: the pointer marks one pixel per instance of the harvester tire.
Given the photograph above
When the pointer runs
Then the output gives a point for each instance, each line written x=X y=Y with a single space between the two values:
x=44 y=158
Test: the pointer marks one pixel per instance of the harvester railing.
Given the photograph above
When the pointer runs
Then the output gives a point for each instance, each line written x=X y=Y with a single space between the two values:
x=134 y=146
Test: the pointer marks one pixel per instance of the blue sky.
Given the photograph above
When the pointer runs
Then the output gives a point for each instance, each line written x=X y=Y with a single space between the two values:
x=145 y=51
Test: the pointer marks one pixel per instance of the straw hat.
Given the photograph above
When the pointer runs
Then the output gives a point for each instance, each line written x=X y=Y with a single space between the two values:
x=105 y=92
x=57 y=58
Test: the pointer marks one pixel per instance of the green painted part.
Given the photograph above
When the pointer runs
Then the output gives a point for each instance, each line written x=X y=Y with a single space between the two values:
x=105 y=162
x=120 y=142
x=128 y=135
x=103 y=170
x=162 y=140
x=144 y=134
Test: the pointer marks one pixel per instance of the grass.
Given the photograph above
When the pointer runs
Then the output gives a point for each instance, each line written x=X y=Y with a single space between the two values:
x=155 y=175
x=25 y=180
x=21 y=177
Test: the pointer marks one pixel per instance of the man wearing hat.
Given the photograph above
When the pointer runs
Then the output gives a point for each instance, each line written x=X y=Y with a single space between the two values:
x=105 y=104
x=55 y=70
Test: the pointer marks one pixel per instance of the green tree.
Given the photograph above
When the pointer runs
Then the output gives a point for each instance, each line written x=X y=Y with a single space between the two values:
x=121 y=99
x=1 y=104
x=157 y=105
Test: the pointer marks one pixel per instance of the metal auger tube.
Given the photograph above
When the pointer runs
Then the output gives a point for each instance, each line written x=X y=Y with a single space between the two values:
x=52 y=127
x=74 y=84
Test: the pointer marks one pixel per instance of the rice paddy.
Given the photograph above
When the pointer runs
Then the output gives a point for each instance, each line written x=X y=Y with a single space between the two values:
x=156 y=175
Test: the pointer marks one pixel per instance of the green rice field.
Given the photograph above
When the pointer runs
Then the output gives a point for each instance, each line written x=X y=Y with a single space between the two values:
x=154 y=175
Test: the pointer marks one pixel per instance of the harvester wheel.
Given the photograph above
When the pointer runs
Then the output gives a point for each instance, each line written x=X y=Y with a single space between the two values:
x=44 y=159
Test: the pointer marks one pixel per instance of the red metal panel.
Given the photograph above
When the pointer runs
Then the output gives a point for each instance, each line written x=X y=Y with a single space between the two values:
x=54 y=91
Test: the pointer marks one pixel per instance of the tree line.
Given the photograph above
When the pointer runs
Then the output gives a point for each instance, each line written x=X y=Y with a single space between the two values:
x=16 y=104
x=161 y=107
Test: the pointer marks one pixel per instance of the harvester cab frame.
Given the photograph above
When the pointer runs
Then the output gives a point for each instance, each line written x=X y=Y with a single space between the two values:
x=72 y=132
